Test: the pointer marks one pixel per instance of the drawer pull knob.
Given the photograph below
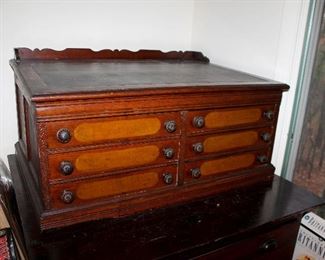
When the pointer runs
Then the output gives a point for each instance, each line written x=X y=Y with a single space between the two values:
x=269 y=245
x=63 y=135
x=170 y=126
x=198 y=121
x=67 y=196
x=268 y=115
x=262 y=158
x=66 y=167
x=266 y=137
x=195 y=172
x=168 y=153
x=168 y=178
x=198 y=147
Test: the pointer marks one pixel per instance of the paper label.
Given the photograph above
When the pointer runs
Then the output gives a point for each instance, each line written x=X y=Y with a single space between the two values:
x=310 y=244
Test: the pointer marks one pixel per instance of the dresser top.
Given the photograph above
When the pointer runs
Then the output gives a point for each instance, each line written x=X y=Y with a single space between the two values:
x=58 y=74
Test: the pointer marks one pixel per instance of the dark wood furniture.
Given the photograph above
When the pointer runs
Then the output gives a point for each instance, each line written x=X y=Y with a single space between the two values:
x=255 y=221
x=9 y=241
x=112 y=133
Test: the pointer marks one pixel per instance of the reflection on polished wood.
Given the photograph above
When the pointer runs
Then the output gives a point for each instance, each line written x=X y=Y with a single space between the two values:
x=227 y=164
x=98 y=131
x=232 y=117
x=97 y=189
x=230 y=141
x=114 y=159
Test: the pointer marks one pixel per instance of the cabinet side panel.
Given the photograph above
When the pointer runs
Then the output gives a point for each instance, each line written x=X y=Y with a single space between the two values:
x=21 y=120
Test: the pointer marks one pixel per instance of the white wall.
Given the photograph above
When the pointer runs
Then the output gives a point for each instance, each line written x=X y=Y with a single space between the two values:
x=98 y=25
x=262 y=37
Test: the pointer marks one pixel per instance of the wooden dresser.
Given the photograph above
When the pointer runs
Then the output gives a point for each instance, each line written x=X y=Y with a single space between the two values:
x=111 y=133
x=254 y=221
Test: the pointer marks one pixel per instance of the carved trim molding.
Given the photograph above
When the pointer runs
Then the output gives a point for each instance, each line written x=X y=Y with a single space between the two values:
x=72 y=53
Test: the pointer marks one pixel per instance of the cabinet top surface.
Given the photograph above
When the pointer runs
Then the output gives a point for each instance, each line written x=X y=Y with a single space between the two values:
x=44 y=77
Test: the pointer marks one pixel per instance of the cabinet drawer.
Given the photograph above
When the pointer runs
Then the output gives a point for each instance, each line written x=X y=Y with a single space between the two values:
x=89 y=131
x=223 y=166
x=275 y=244
x=96 y=161
x=201 y=145
x=209 y=120
x=107 y=187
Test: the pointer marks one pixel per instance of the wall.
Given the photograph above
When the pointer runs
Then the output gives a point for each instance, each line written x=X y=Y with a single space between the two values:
x=98 y=25
x=260 y=37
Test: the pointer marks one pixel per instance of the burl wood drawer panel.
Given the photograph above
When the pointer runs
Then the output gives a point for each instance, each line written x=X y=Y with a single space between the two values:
x=225 y=165
x=235 y=140
x=209 y=120
x=110 y=159
x=127 y=184
x=89 y=131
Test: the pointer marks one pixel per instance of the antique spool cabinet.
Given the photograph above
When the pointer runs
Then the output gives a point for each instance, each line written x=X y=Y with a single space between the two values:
x=110 y=133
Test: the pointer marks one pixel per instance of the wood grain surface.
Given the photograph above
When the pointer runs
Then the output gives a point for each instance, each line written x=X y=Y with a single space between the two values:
x=123 y=158
x=230 y=141
x=101 y=131
x=97 y=189
x=232 y=117
x=230 y=163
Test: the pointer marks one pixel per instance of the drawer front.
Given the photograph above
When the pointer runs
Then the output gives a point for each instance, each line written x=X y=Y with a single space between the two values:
x=223 y=166
x=209 y=120
x=89 y=131
x=275 y=244
x=109 y=187
x=89 y=162
x=254 y=138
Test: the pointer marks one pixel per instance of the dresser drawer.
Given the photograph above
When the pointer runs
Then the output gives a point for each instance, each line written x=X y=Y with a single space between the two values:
x=225 y=165
x=80 y=132
x=110 y=159
x=275 y=244
x=210 y=120
x=217 y=143
x=127 y=184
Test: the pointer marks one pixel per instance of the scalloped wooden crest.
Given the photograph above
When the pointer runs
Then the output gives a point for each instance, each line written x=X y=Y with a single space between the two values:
x=73 y=53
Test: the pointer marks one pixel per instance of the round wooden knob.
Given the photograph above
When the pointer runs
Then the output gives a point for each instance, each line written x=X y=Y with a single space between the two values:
x=170 y=126
x=168 y=153
x=168 y=178
x=269 y=115
x=198 y=147
x=198 y=121
x=63 y=135
x=262 y=158
x=266 y=137
x=66 y=167
x=195 y=172
x=67 y=196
